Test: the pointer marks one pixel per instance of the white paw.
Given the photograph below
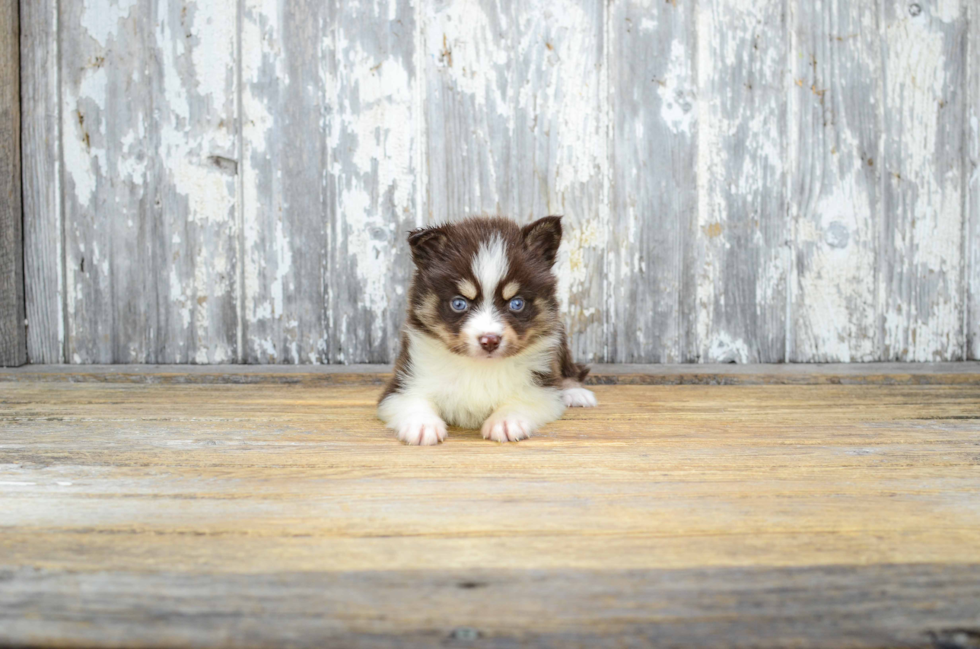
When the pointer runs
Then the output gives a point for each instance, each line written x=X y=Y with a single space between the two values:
x=509 y=428
x=578 y=398
x=423 y=432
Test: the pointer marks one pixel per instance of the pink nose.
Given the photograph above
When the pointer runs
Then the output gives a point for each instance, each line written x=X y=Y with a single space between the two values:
x=489 y=342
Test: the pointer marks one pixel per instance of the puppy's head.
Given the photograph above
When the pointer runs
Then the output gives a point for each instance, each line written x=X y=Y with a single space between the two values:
x=484 y=286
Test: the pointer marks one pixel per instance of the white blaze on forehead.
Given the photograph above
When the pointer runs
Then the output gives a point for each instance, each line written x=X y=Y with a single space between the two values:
x=490 y=266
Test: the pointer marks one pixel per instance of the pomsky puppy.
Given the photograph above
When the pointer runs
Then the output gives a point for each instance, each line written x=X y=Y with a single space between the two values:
x=483 y=345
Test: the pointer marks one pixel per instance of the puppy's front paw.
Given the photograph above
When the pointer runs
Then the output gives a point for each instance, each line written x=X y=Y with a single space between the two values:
x=423 y=432
x=507 y=428
x=578 y=398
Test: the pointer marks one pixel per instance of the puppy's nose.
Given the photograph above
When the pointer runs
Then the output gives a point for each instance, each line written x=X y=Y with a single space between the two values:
x=489 y=342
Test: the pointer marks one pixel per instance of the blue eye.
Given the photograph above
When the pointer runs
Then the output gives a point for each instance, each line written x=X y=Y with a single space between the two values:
x=459 y=304
x=517 y=304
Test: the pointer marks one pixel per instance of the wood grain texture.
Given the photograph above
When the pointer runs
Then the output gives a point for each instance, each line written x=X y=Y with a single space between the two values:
x=13 y=337
x=148 y=138
x=516 y=120
x=376 y=171
x=286 y=202
x=822 y=515
x=652 y=270
x=469 y=108
x=742 y=197
x=43 y=236
x=741 y=181
x=758 y=607
x=971 y=170
x=330 y=185
x=834 y=136
x=920 y=258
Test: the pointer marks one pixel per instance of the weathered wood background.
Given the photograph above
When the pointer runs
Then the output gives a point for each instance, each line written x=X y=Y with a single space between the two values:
x=742 y=180
x=13 y=346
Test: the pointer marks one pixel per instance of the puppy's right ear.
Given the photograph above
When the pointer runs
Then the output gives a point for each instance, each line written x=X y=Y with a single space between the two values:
x=426 y=243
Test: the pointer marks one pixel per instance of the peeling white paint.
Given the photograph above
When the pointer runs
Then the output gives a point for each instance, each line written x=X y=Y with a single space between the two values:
x=837 y=300
x=726 y=349
x=461 y=36
x=676 y=91
x=213 y=52
x=375 y=178
x=100 y=18
x=945 y=10
x=918 y=324
x=831 y=313
x=85 y=160
x=735 y=193
x=528 y=90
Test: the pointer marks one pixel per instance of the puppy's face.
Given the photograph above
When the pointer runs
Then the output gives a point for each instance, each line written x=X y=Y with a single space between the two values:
x=484 y=286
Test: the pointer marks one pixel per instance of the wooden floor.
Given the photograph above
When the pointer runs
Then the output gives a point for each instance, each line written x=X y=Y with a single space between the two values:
x=190 y=513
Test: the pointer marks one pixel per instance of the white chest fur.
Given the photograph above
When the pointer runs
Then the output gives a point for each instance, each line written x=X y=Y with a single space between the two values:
x=465 y=391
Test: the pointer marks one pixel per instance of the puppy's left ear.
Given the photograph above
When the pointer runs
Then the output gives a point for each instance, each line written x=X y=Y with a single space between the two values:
x=426 y=243
x=543 y=237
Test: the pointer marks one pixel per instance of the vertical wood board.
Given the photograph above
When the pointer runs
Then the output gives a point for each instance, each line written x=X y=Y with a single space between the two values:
x=41 y=147
x=13 y=337
x=971 y=170
x=376 y=138
x=287 y=95
x=742 y=196
x=834 y=135
x=652 y=272
x=920 y=260
x=148 y=138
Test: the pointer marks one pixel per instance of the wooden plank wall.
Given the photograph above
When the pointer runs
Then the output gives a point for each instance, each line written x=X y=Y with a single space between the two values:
x=971 y=138
x=742 y=180
x=13 y=336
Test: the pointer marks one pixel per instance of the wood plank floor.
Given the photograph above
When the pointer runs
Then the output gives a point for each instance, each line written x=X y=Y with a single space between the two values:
x=143 y=513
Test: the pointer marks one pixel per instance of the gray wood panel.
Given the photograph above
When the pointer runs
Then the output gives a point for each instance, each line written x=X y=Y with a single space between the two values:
x=375 y=170
x=13 y=337
x=742 y=175
x=834 y=132
x=971 y=138
x=469 y=98
x=286 y=202
x=148 y=135
x=920 y=255
x=741 y=181
x=330 y=187
x=40 y=128
x=652 y=271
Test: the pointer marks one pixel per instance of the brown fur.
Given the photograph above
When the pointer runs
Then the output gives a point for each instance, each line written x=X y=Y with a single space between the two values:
x=443 y=256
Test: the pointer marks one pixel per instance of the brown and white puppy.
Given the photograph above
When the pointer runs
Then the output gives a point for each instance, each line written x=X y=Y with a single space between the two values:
x=483 y=345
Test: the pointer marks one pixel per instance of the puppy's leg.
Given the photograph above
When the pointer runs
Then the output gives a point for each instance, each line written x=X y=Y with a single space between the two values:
x=575 y=395
x=517 y=419
x=413 y=418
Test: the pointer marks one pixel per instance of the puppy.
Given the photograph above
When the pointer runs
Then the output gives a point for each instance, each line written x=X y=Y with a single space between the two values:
x=483 y=345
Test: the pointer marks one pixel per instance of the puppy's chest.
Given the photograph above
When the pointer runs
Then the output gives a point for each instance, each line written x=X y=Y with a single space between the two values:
x=467 y=392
